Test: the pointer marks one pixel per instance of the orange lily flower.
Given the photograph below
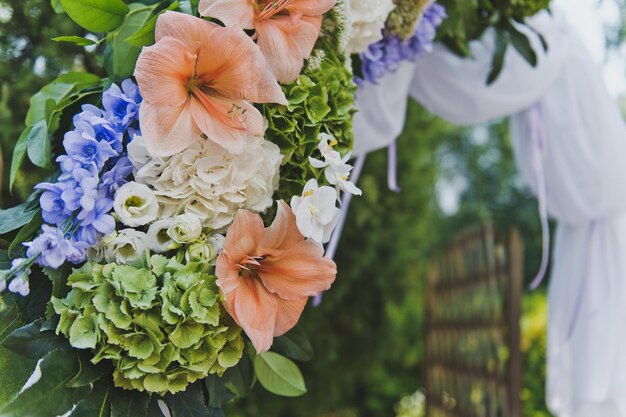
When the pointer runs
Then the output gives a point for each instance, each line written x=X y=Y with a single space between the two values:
x=268 y=274
x=286 y=30
x=199 y=78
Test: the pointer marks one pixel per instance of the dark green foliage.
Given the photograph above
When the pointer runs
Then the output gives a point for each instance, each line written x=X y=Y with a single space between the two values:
x=469 y=19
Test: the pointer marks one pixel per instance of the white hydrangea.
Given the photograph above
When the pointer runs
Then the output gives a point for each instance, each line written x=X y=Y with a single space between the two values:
x=208 y=181
x=366 y=21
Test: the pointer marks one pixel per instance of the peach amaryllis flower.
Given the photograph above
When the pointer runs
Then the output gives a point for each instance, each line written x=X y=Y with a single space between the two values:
x=268 y=274
x=200 y=77
x=286 y=30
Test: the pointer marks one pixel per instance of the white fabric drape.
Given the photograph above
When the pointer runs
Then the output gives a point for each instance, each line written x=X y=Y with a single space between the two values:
x=583 y=169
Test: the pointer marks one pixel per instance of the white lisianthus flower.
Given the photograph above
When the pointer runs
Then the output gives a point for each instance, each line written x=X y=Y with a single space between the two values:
x=135 y=204
x=366 y=22
x=208 y=181
x=316 y=213
x=126 y=246
x=185 y=228
x=337 y=170
x=96 y=253
x=159 y=239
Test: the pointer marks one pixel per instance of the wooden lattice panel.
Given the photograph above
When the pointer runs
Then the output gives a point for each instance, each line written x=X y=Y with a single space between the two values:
x=472 y=327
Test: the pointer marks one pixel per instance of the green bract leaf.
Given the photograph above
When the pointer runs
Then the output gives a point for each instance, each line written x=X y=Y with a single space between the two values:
x=129 y=403
x=294 y=345
x=77 y=40
x=240 y=378
x=96 y=15
x=189 y=403
x=38 y=145
x=502 y=44
x=279 y=375
x=48 y=396
x=29 y=341
x=88 y=373
x=119 y=56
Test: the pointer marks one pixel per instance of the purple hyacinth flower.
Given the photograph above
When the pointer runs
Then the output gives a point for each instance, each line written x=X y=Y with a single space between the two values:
x=83 y=194
x=53 y=208
x=122 y=105
x=385 y=56
x=117 y=176
x=52 y=248
x=81 y=144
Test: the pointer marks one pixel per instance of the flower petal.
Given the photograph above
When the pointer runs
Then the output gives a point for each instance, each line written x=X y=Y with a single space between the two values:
x=241 y=239
x=230 y=12
x=288 y=314
x=307 y=34
x=282 y=52
x=300 y=271
x=226 y=122
x=311 y=7
x=237 y=69
x=163 y=70
x=283 y=233
x=256 y=309
x=186 y=28
x=167 y=129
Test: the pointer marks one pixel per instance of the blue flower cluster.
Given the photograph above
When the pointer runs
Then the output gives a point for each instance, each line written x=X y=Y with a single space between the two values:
x=386 y=55
x=93 y=168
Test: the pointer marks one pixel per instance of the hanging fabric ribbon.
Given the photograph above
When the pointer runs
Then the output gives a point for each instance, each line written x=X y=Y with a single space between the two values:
x=537 y=136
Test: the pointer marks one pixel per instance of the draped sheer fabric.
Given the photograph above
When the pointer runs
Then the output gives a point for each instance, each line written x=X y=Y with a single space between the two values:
x=583 y=169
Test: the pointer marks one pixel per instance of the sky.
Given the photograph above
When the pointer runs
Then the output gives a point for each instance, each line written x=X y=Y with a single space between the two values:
x=590 y=17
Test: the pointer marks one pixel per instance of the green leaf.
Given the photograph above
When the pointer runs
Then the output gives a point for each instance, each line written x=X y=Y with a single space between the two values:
x=25 y=234
x=218 y=393
x=57 y=7
x=38 y=145
x=294 y=345
x=279 y=375
x=95 y=405
x=522 y=45
x=119 y=56
x=88 y=372
x=129 y=403
x=189 y=403
x=14 y=369
x=16 y=217
x=48 y=396
x=18 y=156
x=240 y=378
x=77 y=40
x=502 y=44
x=30 y=342
x=145 y=35
x=61 y=88
x=96 y=15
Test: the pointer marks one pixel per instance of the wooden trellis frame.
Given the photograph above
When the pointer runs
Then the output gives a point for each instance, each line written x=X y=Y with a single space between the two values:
x=473 y=358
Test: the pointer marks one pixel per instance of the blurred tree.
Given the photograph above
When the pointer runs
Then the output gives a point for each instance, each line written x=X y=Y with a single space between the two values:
x=30 y=59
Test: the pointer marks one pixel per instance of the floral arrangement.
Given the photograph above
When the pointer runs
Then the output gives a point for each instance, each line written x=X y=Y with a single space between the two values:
x=164 y=265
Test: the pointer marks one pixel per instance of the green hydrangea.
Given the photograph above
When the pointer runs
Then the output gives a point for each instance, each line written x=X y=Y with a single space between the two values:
x=320 y=100
x=159 y=321
x=403 y=19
